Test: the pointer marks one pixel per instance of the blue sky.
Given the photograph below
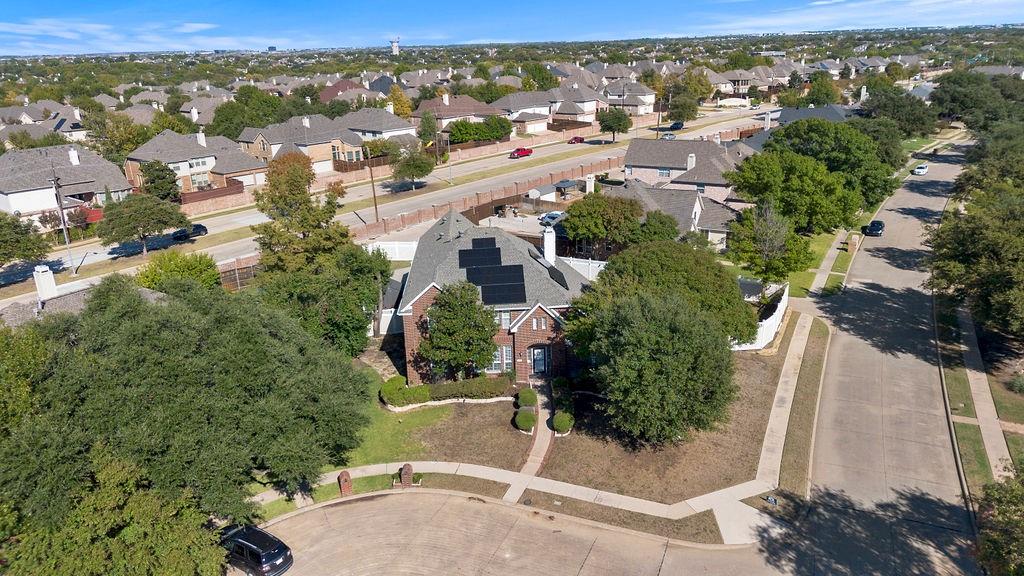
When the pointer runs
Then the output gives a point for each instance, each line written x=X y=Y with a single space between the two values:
x=62 y=27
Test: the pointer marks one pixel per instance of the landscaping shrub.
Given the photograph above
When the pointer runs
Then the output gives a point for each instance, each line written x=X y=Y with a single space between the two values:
x=395 y=393
x=563 y=422
x=475 y=388
x=525 y=420
x=527 y=397
x=1016 y=384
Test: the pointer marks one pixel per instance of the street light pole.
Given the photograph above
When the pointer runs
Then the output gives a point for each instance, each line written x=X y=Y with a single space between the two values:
x=451 y=180
x=63 y=222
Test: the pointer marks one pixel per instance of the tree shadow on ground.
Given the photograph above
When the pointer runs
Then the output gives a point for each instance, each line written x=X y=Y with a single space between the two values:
x=914 y=534
x=21 y=271
x=902 y=258
x=592 y=421
x=926 y=215
x=893 y=320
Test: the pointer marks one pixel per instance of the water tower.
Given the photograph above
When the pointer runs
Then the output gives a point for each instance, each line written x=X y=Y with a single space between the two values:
x=394 y=46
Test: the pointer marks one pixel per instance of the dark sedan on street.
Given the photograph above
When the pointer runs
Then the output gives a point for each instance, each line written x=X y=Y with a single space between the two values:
x=875 y=228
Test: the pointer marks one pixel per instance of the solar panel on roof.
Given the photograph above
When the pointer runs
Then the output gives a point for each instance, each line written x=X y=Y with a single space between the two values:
x=479 y=257
x=487 y=275
x=503 y=294
x=483 y=243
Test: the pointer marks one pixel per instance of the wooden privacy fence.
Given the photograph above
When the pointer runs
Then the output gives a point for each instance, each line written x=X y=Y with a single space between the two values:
x=511 y=194
x=238 y=273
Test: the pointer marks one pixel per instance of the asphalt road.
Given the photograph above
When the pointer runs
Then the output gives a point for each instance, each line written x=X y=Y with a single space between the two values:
x=885 y=487
x=94 y=252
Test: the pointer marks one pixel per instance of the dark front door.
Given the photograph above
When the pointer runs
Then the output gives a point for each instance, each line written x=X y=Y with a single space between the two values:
x=540 y=359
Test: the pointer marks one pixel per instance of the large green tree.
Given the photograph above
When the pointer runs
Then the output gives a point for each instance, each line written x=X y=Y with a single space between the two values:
x=668 y=268
x=765 y=241
x=887 y=136
x=800 y=188
x=821 y=92
x=121 y=526
x=459 y=339
x=251 y=107
x=171 y=266
x=159 y=180
x=19 y=240
x=614 y=120
x=1001 y=527
x=597 y=218
x=200 y=388
x=427 y=130
x=412 y=166
x=301 y=228
x=682 y=109
x=664 y=366
x=914 y=116
x=334 y=298
x=138 y=218
x=842 y=149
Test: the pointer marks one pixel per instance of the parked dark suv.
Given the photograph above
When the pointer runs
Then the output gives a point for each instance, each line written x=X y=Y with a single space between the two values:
x=875 y=228
x=255 y=552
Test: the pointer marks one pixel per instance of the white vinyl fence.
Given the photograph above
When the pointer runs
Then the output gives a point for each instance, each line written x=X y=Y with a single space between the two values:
x=395 y=251
x=768 y=328
x=589 y=268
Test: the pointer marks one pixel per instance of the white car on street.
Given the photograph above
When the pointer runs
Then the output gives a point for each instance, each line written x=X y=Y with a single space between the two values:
x=920 y=170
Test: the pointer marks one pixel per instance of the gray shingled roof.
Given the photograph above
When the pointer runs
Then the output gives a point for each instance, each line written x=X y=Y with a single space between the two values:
x=530 y=117
x=520 y=100
x=169 y=146
x=32 y=169
x=437 y=261
x=716 y=216
x=292 y=131
x=372 y=120
x=712 y=160
x=458 y=106
x=140 y=113
x=106 y=100
x=678 y=204
x=71 y=303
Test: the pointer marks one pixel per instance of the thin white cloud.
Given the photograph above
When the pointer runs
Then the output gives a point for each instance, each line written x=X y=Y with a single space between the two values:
x=825 y=2
x=192 y=27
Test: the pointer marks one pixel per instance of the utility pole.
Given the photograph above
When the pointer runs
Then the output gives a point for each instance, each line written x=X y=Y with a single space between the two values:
x=63 y=222
x=373 y=190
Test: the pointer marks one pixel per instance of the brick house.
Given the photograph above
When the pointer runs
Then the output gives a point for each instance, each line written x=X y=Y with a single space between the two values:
x=527 y=290
x=698 y=165
x=200 y=162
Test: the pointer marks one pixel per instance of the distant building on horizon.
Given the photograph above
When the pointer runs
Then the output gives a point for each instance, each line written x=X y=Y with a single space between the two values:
x=271 y=48
x=394 y=47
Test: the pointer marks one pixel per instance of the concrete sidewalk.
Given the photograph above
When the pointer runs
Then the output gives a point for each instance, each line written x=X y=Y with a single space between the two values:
x=984 y=406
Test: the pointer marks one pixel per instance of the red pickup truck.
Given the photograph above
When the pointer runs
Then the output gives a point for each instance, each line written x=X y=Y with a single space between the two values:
x=521 y=152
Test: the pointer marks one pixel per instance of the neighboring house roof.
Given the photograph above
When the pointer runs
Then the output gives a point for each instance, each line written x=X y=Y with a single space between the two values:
x=999 y=70
x=530 y=117
x=292 y=131
x=33 y=168
x=679 y=204
x=169 y=146
x=623 y=88
x=354 y=95
x=331 y=92
x=716 y=216
x=517 y=101
x=711 y=160
x=513 y=81
x=21 y=313
x=149 y=96
x=575 y=93
x=372 y=120
x=924 y=91
x=457 y=107
x=206 y=108
x=140 y=113
x=569 y=107
x=106 y=100
x=831 y=112
x=436 y=263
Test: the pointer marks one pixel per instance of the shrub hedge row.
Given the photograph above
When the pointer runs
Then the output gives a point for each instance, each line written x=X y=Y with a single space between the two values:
x=394 y=392
x=525 y=420
x=527 y=397
x=563 y=422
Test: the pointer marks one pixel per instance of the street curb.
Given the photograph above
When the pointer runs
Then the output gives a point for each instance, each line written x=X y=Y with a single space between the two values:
x=817 y=404
x=514 y=505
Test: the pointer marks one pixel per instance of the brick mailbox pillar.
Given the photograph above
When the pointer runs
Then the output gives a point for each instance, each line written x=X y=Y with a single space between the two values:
x=405 y=475
x=345 y=483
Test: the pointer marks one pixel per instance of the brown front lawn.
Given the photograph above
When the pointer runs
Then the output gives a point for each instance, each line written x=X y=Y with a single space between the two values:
x=476 y=434
x=593 y=456
x=702 y=527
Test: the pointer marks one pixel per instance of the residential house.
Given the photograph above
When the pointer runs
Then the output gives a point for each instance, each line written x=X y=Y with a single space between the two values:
x=785 y=117
x=50 y=116
x=142 y=114
x=528 y=291
x=202 y=109
x=331 y=92
x=447 y=109
x=576 y=102
x=107 y=101
x=632 y=97
x=693 y=212
x=200 y=162
x=358 y=95
x=375 y=123
x=528 y=111
x=719 y=83
x=513 y=81
x=698 y=165
x=26 y=179
x=320 y=138
x=1017 y=71
x=147 y=96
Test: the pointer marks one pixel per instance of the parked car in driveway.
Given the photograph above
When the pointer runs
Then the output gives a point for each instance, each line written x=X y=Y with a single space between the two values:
x=550 y=218
x=669 y=136
x=920 y=170
x=875 y=228
x=193 y=231
x=521 y=152
x=576 y=140
x=255 y=552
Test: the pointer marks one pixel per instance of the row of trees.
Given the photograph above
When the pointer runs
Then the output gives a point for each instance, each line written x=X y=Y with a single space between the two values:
x=613 y=223
x=493 y=128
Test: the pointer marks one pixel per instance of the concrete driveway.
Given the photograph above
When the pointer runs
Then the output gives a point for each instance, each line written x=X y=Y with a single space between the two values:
x=886 y=487
x=442 y=534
